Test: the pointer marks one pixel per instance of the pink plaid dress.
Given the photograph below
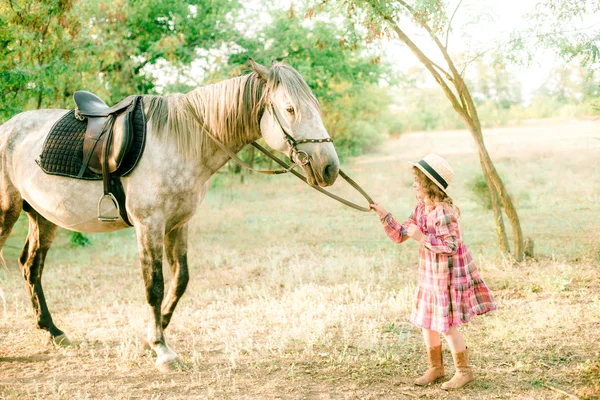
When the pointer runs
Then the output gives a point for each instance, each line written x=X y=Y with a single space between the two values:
x=450 y=289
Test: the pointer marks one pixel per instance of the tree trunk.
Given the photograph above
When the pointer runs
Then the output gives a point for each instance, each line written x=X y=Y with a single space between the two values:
x=498 y=185
x=497 y=208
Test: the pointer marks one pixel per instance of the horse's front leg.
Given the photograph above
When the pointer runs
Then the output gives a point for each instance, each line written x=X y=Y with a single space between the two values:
x=150 y=238
x=176 y=251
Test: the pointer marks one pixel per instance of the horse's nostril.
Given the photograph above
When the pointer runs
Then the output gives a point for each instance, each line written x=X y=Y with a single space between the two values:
x=331 y=171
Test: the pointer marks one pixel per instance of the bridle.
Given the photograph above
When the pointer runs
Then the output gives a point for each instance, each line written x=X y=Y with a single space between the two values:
x=294 y=154
x=299 y=158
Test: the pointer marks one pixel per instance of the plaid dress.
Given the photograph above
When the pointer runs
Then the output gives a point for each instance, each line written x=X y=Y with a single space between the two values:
x=450 y=290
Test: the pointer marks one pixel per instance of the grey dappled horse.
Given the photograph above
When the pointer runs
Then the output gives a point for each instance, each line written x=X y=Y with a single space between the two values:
x=167 y=185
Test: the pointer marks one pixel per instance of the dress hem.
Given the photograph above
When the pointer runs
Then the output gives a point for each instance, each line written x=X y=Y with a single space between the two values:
x=460 y=322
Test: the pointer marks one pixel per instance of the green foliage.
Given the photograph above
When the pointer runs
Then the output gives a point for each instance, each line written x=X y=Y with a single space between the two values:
x=480 y=189
x=39 y=40
x=547 y=26
x=49 y=49
x=78 y=239
x=569 y=92
x=423 y=109
x=136 y=35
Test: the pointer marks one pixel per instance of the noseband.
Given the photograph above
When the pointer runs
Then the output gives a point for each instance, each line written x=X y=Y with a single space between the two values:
x=298 y=157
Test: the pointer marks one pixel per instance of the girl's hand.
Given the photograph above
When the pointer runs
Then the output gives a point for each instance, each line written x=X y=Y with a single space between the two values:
x=378 y=208
x=415 y=233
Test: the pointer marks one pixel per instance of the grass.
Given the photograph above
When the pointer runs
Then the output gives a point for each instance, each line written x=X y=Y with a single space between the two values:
x=294 y=296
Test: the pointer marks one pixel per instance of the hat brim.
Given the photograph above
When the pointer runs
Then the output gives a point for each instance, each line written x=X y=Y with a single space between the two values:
x=427 y=174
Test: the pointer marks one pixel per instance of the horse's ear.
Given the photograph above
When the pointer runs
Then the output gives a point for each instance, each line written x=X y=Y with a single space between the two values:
x=261 y=70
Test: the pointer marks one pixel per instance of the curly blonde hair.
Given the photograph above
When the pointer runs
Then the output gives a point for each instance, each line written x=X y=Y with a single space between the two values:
x=433 y=194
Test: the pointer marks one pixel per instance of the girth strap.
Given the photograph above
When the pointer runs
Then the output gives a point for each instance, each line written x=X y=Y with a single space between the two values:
x=112 y=186
x=116 y=188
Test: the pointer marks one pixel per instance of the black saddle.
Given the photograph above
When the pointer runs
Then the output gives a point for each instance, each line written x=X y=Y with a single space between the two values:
x=109 y=132
x=90 y=105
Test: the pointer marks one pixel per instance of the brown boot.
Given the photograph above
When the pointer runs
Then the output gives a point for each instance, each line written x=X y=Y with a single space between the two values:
x=436 y=366
x=464 y=372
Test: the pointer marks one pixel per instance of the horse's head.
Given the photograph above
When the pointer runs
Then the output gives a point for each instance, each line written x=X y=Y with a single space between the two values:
x=291 y=123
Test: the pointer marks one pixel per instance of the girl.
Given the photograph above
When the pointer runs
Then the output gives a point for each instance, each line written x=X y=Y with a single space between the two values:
x=450 y=290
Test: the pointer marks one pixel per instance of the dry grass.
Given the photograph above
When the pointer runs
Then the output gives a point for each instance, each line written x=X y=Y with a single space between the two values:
x=293 y=296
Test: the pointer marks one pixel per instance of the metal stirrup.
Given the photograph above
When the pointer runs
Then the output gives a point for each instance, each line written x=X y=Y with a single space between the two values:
x=106 y=218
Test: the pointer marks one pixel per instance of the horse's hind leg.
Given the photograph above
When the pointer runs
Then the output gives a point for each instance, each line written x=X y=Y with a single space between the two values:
x=176 y=252
x=39 y=239
x=11 y=204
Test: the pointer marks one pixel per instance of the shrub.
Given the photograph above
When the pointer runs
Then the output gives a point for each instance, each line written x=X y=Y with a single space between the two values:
x=78 y=239
x=479 y=187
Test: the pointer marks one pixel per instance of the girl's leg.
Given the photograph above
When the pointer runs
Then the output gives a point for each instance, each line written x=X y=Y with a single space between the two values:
x=434 y=354
x=455 y=340
x=464 y=372
x=431 y=338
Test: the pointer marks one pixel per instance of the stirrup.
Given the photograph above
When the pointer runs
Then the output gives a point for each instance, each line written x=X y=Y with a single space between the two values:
x=105 y=218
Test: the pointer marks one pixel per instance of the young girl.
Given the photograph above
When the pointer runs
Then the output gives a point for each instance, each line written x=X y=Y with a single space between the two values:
x=450 y=290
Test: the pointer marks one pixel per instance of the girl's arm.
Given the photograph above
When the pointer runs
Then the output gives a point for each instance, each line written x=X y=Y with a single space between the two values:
x=396 y=232
x=445 y=239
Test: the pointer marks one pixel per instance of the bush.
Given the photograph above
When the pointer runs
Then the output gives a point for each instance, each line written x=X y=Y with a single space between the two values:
x=78 y=239
x=358 y=120
x=479 y=187
x=424 y=109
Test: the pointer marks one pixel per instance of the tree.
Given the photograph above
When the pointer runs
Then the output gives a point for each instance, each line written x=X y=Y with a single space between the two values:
x=569 y=26
x=343 y=76
x=132 y=36
x=50 y=48
x=38 y=40
x=388 y=19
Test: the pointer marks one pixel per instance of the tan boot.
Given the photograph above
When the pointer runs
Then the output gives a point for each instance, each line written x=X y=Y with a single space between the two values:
x=436 y=366
x=464 y=372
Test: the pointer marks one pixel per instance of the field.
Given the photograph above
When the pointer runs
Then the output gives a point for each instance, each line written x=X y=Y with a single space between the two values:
x=294 y=296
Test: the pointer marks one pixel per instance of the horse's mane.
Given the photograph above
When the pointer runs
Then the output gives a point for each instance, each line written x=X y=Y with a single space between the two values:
x=230 y=109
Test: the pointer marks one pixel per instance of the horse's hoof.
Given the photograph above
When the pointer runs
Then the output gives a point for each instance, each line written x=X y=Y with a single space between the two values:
x=172 y=365
x=61 y=341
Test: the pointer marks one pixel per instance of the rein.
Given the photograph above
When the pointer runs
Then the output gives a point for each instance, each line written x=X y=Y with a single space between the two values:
x=320 y=189
x=298 y=158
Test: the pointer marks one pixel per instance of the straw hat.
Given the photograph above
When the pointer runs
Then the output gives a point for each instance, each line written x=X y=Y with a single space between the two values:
x=437 y=169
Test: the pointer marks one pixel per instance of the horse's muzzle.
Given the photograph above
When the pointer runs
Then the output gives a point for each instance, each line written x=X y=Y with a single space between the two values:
x=330 y=174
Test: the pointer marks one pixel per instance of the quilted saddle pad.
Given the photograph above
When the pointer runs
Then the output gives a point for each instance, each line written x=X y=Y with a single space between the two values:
x=62 y=153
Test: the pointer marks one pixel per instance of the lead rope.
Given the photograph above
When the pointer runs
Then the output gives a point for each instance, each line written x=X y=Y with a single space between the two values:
x=320 y=189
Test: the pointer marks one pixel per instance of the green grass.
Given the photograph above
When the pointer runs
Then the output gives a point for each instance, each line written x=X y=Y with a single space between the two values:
x=294 y=296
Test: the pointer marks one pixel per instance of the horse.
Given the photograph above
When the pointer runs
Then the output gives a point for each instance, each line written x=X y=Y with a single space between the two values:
x=168 y=183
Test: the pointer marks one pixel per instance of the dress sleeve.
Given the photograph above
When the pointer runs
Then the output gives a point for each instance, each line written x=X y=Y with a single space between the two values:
x=395 y=230
x=445 y=239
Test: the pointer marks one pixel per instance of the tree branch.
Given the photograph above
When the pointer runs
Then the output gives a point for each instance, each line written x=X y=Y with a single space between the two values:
x=431 y=67
x=458 y=82
x=443 y=71
x=450 y=23
x=533 y=35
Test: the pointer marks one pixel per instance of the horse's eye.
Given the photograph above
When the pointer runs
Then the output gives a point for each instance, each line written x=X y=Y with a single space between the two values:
x=290 y=109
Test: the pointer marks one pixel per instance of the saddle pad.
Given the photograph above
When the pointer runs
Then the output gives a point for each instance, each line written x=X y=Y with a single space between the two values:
x=62 y=153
